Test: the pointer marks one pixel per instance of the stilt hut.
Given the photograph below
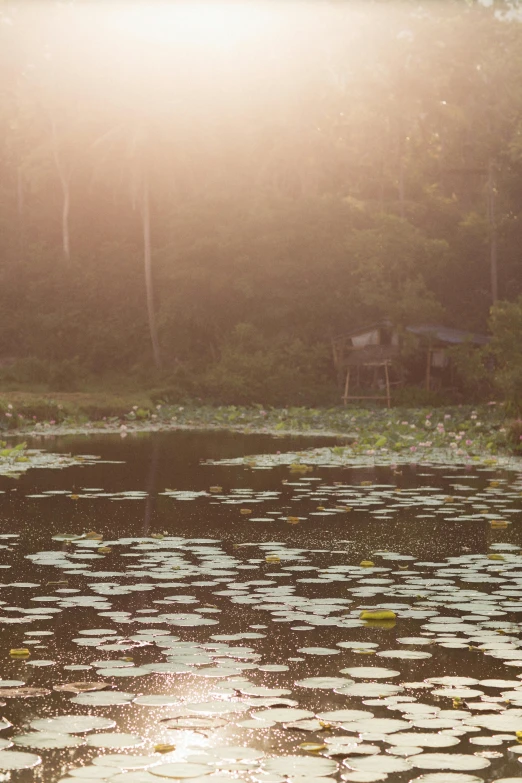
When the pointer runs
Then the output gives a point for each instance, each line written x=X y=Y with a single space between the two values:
x=375 y=347
x=435 y=341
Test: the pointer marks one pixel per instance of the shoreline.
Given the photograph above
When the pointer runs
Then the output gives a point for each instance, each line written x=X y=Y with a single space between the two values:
x=61 y=431
x=471 y=432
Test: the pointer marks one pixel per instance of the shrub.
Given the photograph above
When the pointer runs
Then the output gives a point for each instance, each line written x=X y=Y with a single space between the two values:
x=474 y=371
x=415 y=397
x=514 y=435
x=276 y=371
x=506 y=350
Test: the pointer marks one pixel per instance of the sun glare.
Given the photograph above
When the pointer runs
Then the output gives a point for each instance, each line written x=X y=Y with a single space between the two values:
x=208 y=24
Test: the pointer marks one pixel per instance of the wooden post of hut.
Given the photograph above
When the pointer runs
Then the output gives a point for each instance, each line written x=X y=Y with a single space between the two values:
x=373 y=346
x=385 y=364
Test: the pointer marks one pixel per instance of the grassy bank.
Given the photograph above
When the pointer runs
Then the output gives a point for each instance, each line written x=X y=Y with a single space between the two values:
x=462 y=429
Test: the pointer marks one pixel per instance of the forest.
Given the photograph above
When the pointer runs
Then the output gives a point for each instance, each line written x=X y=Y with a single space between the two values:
x=199 y=197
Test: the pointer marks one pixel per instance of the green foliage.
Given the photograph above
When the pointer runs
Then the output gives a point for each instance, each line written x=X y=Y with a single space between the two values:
x=289 y=206
x=276 y=371
x=139 y=414
x=390 y=263
x=416 y=397
x=473 y=366
x=514 y=436
x=506 y=351
x=496 y=369
x=65 y=375
x=15 y=452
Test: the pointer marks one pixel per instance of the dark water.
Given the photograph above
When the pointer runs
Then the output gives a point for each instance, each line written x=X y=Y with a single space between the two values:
x=152 y=463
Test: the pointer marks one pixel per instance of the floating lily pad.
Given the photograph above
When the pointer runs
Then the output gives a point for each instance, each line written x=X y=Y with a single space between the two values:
x=378 y=764
x=370 y=672
x=326 y=683
x=344 y=716
x=125 y=761
x=72 y=724
x=283 y=714
x=422 y=740
x=180 y=770
x=156 y=700
x=91 y=772
x=318 y=651
x=23 y=693
x=455 y=761
x=377 y=726
x=300 y=766
x=457 y=777
x=42 y=740
x=216 y=707
x=410 y=655
x=114 y=740
x=80 y=687
x=370 y=689
x=103 y=698
x=14 y=759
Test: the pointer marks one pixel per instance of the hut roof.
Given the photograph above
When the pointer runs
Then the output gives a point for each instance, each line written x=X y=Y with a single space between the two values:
x=447 y=335
x=384 y=324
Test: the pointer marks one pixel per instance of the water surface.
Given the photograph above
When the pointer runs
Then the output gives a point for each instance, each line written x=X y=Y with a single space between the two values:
x=262 y=571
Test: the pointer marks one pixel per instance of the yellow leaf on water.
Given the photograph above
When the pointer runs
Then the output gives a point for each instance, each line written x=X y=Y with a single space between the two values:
x=19 y=652
x=377 y=614
x=312 y=747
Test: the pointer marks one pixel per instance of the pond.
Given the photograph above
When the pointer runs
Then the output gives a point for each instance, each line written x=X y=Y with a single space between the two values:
x=176 y=610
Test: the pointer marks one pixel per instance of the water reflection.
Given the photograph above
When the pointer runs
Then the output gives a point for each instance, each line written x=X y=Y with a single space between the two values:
x=151 y=485
x=289 y=615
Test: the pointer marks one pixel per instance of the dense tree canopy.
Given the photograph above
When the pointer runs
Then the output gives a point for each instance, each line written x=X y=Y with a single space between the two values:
x=285 y=171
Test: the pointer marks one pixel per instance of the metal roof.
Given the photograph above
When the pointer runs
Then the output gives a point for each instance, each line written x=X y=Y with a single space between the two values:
x=384 y=324
x=445 y=334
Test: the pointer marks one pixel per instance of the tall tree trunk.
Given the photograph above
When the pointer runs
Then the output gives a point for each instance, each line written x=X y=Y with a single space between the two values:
x=401 y=186
x=66 y=243
x=151 y=487
x=400 y=160
x=64 y=177
x=21 y=212
x=145 y=212
x=493 y=246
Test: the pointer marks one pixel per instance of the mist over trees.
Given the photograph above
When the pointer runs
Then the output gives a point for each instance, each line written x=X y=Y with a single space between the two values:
x=211 y=209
